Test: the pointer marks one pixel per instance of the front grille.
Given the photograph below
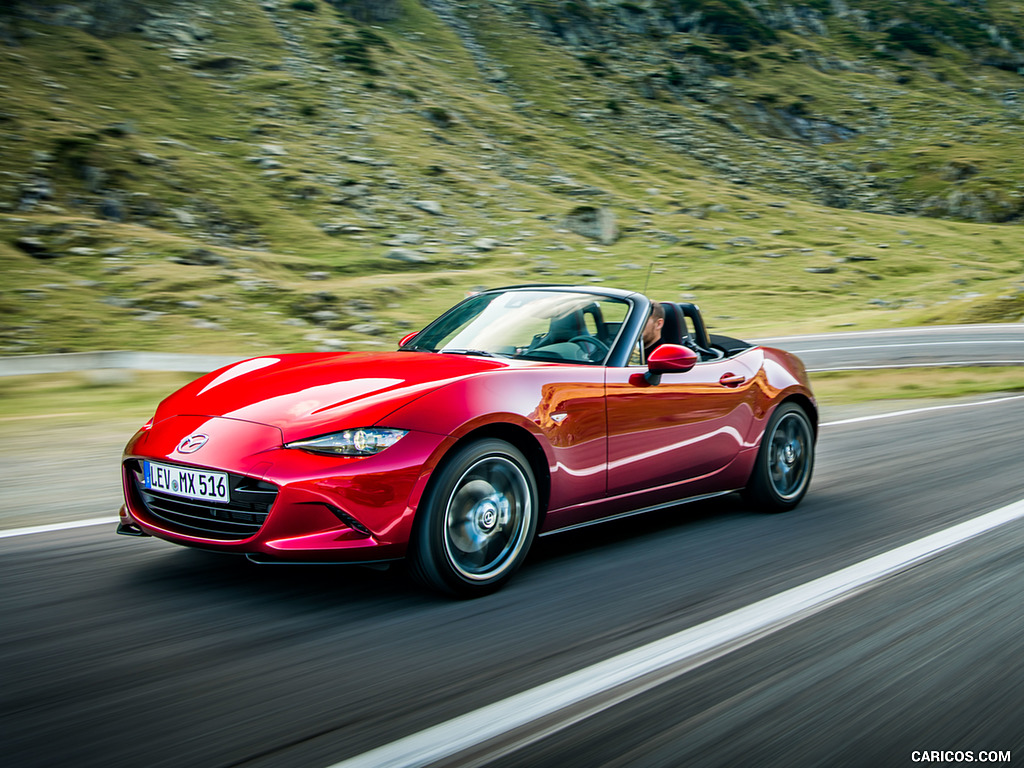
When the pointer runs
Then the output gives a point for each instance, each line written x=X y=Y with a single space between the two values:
x=250 y=504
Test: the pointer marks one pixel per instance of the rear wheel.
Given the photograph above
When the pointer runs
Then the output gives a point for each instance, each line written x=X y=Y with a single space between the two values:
x=785 y=461
x=477 y=521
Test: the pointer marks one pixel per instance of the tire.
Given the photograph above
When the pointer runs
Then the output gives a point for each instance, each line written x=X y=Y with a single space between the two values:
x=785 y=461
x=477 y=521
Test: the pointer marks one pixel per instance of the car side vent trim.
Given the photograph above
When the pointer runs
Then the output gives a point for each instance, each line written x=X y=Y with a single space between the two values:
x=348 y=520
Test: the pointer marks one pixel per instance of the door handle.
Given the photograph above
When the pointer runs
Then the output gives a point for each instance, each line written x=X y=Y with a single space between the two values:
x=732 y=380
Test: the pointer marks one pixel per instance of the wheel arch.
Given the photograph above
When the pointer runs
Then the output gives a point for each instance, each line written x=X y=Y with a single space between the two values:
x=525 y=442
x=807 y=405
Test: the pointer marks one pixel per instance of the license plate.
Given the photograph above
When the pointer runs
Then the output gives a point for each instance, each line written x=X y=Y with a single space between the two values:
x=186 y=482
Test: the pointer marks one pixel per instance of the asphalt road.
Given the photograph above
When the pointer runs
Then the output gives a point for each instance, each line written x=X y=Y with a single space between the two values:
x=997 y=344
x=127 y=652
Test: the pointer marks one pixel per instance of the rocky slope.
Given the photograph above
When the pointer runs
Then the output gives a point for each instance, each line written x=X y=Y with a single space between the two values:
x=246 y=175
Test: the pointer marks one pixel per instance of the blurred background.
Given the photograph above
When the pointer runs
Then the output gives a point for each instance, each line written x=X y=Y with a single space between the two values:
x=253 y=175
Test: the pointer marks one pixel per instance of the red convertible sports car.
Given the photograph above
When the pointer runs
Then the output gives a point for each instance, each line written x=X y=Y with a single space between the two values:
x=520 y=412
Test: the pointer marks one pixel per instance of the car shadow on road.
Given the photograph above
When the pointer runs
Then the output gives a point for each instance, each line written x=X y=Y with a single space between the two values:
x=182 y=571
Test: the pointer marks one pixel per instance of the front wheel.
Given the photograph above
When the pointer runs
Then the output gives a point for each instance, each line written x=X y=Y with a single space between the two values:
x=477 y=521
x=785 y=461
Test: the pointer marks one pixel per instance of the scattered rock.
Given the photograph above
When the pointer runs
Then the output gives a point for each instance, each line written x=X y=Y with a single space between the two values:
x=148 y=158
x=207 y=325
x=331 y=345
x=341 y=228
x=439 y=116
x=184 y=216
x=430 y=206
x=405 y=238
x=593 y=222
x=118 y=301
x=220 y=63
x=958 y=170
x=365 y=160
x=368 y=329
x=486 y=244
x=324 y=316
x=34 y=247
x=354 y=190
x=112 y=210
x=266 y=163
x=201 y=257
x=406 y=255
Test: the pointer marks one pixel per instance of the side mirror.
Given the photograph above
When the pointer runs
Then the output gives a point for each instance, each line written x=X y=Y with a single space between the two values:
x=407 y=338
x=669 y=358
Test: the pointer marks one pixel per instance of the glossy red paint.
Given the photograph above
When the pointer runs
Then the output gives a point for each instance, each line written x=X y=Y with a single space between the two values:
x=308 y=394
x=377 y=491
x=602 y=440
x=672 y=358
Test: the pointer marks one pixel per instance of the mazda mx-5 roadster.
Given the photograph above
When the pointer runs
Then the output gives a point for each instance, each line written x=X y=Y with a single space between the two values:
x=520 y=412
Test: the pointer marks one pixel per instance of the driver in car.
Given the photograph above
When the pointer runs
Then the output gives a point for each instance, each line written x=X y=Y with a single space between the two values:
x=651 y=335
x=652 y=330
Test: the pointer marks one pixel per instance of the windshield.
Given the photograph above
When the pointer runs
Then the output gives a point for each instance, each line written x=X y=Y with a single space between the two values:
x=537 y=325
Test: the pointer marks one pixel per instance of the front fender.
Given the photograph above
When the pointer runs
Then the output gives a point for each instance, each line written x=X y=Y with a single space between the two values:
x=560 y=407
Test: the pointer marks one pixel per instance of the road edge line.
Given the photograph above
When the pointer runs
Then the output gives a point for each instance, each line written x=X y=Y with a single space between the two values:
x=911 y=411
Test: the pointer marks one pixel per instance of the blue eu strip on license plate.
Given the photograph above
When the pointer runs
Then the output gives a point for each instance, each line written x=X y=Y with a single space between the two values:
x=187 y=482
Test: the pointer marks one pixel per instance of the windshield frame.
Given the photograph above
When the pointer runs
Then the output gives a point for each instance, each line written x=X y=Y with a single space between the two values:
x=619 y=349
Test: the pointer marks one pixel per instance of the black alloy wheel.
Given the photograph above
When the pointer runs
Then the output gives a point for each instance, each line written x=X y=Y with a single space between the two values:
x=477 y=521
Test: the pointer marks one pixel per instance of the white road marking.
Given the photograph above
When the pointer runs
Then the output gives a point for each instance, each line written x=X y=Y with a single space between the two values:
x=896 y=414
x=12 y=532
x=672 y=656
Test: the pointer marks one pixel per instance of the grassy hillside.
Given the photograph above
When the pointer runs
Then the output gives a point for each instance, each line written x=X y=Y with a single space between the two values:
x=243 y=176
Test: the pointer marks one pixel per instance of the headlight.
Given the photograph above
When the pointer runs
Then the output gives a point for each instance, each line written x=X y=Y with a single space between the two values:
x=352 y=442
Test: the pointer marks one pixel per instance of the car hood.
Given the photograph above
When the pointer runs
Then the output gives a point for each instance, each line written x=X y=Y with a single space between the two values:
x=309 y=394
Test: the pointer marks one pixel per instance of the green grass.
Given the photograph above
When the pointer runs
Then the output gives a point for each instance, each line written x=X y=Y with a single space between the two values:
x=90 y=396
x=842 y=388
x=704 y=214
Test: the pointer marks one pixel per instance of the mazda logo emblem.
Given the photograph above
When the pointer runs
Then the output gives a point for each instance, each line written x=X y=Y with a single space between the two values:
x=192 y=443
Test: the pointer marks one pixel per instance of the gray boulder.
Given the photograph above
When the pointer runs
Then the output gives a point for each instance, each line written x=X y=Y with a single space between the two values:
x=597 y=223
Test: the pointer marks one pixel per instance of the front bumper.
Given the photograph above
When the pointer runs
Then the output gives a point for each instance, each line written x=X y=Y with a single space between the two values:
x=314 y=508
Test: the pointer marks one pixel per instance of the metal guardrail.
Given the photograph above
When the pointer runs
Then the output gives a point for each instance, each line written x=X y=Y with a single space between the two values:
x=28 y=365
